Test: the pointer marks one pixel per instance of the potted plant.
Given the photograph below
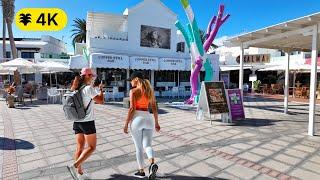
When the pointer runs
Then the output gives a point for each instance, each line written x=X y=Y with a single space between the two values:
x=256 y=85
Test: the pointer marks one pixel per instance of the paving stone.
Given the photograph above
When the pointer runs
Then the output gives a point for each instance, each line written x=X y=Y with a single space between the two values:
x=311 y=166
x=304 y=148
x=183 y=160
x=276 y=165
x=129 y=167
x=32 y=165
x=224 y=175
x=167 y=167
x=199 y=154
x=262 y=151
x=264 y=177
x=241 y=172
x=230 y=150
x=242 y=146
x=296 y=153
x=250 y=156
x=202 y=169
x=219 y=162
x=113 y=153
x=104 y=173
x=304 y=174
x=287 y=159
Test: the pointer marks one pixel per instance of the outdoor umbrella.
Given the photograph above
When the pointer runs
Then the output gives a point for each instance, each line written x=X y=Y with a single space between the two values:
x=22 y=65
x=51 y=67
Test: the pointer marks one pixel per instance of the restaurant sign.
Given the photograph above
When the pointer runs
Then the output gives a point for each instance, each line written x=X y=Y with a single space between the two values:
x=99 y=60
x=255 y=59
x=150 y=63
x=172 y=64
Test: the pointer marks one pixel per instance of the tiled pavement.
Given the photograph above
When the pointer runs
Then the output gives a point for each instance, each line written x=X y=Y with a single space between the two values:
x=36 y=142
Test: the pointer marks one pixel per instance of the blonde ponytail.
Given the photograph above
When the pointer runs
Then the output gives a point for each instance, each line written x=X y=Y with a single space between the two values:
x=147 y=88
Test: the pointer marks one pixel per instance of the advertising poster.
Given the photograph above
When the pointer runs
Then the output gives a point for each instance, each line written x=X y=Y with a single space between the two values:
x=235 y=104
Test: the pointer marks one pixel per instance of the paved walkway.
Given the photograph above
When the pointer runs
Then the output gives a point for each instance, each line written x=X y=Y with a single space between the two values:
x=36 y=142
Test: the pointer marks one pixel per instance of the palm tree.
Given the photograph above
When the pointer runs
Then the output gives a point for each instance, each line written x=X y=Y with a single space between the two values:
x=4 y=51
x=79 y=31
x=203 y=39
x=8 y=14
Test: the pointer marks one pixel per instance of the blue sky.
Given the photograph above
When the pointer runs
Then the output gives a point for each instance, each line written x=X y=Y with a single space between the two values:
x=246 y=15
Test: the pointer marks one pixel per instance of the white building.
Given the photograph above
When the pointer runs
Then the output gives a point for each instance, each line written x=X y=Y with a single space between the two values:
x=142 y=37
x=229 y=66
x=48 y=46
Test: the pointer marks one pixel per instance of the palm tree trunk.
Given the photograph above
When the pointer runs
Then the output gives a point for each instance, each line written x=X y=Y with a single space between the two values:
x=12 y=43
x=4 y=55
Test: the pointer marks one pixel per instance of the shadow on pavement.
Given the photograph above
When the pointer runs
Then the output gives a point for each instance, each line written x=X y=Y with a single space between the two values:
x=14 y=144
x=174 y=177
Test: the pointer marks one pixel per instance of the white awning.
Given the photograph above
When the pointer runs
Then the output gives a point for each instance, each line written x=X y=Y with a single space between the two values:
x=99 y=60
x=295 y=35
x=172 y=64
x=77 y=62
x=149 y=63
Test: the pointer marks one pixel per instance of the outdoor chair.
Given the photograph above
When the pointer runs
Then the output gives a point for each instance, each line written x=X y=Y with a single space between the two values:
x=305 y=92
x=53 y=94
x=182 y=91
x=175 y=92
x=116 y=94
x=265 y=89
x=298 y=92
x=18 y=95
x=275 y=88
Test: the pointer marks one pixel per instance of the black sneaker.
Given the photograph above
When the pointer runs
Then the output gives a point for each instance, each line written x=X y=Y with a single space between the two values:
x=140 y=174
x=153 y=168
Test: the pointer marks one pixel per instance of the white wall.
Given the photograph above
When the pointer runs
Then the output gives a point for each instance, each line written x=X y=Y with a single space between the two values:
x=54 y=46
x=151 y=13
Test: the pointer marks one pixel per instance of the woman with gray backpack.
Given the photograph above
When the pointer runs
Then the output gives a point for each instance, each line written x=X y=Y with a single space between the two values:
x=83 y=126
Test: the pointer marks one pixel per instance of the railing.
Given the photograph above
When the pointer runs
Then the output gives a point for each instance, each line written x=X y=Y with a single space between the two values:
x=54 y=56
x=118 y=36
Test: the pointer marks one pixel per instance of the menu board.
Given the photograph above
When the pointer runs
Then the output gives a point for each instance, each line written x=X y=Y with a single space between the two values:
x=235 y=100
x=216 y=97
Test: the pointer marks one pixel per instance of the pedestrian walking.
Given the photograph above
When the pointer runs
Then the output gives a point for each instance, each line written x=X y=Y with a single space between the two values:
x=84 y=128
x=141 y=123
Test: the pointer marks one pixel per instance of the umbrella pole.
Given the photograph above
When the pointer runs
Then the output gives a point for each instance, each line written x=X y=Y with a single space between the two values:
x=56 y=79
x=50 y=80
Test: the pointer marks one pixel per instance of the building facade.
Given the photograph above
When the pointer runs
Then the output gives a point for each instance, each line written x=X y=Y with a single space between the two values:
x=143 y=37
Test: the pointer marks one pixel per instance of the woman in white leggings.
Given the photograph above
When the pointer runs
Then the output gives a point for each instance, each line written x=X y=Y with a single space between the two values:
x=142 y=124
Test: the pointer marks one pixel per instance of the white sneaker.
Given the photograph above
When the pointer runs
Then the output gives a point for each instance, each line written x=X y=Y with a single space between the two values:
x=83 y=176
x=73 y=171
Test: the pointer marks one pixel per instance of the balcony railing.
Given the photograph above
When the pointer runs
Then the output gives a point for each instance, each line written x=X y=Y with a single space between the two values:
x=54 y=56
x=118 y=36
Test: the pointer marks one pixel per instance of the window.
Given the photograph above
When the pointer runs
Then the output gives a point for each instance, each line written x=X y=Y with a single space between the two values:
x=180 y=47
x=8 y=54
x=27 y=55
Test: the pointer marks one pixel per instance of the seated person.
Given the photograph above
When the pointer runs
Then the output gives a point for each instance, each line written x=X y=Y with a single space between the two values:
x=11 y=89
x=10 y=97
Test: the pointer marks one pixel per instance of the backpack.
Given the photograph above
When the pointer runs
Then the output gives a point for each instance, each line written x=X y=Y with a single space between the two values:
x=73 y=106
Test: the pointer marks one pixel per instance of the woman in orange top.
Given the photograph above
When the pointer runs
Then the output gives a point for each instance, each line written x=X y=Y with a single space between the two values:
x=142 y=124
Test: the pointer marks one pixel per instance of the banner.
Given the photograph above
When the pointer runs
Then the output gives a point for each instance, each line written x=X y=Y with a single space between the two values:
x=172 y=64
x=255 y=59
x=149 y=63
x=235 y=104
x=99 y=60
